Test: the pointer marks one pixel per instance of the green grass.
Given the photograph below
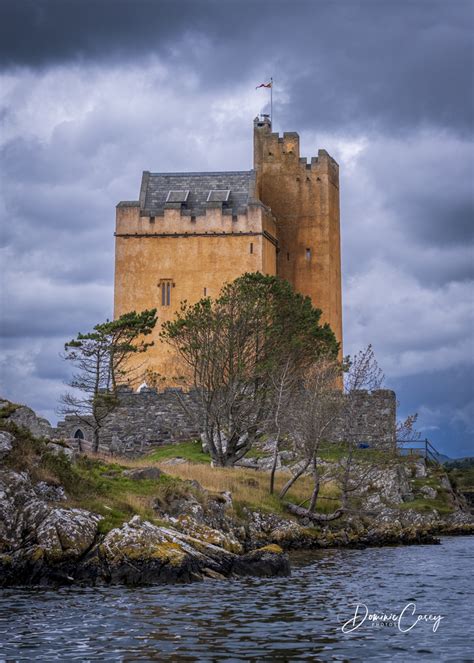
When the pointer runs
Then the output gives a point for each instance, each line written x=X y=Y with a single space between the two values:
x=101 y=487
x=424 y=505
x=463 y=478
x=92 y=483
x=432 y=481
x=7 y=410
x=257 y=453
x=190 y=451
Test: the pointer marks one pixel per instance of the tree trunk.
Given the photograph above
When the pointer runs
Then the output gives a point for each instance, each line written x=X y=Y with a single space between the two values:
x=294 y=478
x=315 y=517
x=274 y=466
x=96 y=440
x=314 y=496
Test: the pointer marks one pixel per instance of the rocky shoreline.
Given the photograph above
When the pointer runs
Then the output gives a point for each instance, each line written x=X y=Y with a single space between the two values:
x=195 y=536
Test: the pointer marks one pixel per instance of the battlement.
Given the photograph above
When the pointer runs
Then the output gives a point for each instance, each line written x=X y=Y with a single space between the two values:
x=272 y=148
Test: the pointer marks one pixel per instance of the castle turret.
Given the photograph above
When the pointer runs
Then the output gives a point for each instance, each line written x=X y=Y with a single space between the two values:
x=304 y=198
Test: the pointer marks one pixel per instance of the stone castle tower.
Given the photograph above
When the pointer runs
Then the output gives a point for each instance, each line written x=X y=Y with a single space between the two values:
x=189 y=233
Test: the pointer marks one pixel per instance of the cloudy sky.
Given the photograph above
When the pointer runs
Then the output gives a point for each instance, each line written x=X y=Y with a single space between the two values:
x=92 y=92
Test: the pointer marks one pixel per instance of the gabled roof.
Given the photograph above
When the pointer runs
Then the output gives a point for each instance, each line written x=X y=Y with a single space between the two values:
x=155 y=189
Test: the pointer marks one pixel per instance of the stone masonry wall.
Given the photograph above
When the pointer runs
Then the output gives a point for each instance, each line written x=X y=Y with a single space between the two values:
x=376 y=414
x=141 y=421
x=149 y=419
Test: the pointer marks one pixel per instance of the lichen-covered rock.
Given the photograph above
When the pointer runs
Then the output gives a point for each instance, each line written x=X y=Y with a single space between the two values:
x=143 y=473
x=67 y=533
x=6 y=444
x=445 y=482
x=217 y=537
x=57 y=449
x=16 y=494
x=50 y=492
x=23 y=416
x=429 y=492
x=419 y=468
x=140 y=552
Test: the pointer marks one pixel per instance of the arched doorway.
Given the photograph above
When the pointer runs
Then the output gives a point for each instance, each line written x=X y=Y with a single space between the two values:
x=79 y=436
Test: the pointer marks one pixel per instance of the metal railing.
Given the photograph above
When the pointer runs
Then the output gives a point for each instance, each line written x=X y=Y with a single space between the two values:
x=422 y=448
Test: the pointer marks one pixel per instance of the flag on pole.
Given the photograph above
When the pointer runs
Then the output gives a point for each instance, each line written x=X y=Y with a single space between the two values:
x=264 y=85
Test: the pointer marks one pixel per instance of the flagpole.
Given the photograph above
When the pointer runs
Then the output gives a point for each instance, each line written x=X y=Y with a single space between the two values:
x=271 y=102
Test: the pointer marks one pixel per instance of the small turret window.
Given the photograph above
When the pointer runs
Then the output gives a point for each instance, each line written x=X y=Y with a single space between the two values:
x=308 y=254
x=251 y=247
x=165 y=286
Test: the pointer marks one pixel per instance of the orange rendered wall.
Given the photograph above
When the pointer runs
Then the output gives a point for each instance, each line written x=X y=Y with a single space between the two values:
x=192 y=262
x=304 y=198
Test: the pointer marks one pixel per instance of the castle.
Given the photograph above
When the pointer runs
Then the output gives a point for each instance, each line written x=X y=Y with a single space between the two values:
x=189 y=233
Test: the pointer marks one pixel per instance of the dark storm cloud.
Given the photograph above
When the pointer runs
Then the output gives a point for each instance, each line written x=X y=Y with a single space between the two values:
x=431 y=189
x=43 y=32
x=445 y=406
x=370 y=64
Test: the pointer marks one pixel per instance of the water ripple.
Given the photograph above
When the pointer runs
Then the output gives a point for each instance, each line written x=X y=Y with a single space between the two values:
x=281 y=619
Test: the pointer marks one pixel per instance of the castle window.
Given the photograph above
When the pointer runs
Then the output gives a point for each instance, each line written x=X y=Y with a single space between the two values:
x=308 y=254
x=234 y=218
x=165 y=293
x=205 y=292
x=251 y=247
x=193 y=219
x=152 y=219
x=287 y=256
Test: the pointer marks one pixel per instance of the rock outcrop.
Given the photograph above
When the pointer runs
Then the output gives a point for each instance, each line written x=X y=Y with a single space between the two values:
x=23 y=416
x=43 y=542
x=140 y=552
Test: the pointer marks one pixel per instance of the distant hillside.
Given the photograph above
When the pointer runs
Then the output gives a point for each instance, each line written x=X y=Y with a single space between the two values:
x=460 y=463
x=461 y=474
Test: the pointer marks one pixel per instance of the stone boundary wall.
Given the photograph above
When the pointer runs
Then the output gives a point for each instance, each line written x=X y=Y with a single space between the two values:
x=376 y=417
x=149 y=419
x=141 y=421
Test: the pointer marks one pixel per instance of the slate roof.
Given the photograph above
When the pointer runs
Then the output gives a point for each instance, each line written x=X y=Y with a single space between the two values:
x=156 y=186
